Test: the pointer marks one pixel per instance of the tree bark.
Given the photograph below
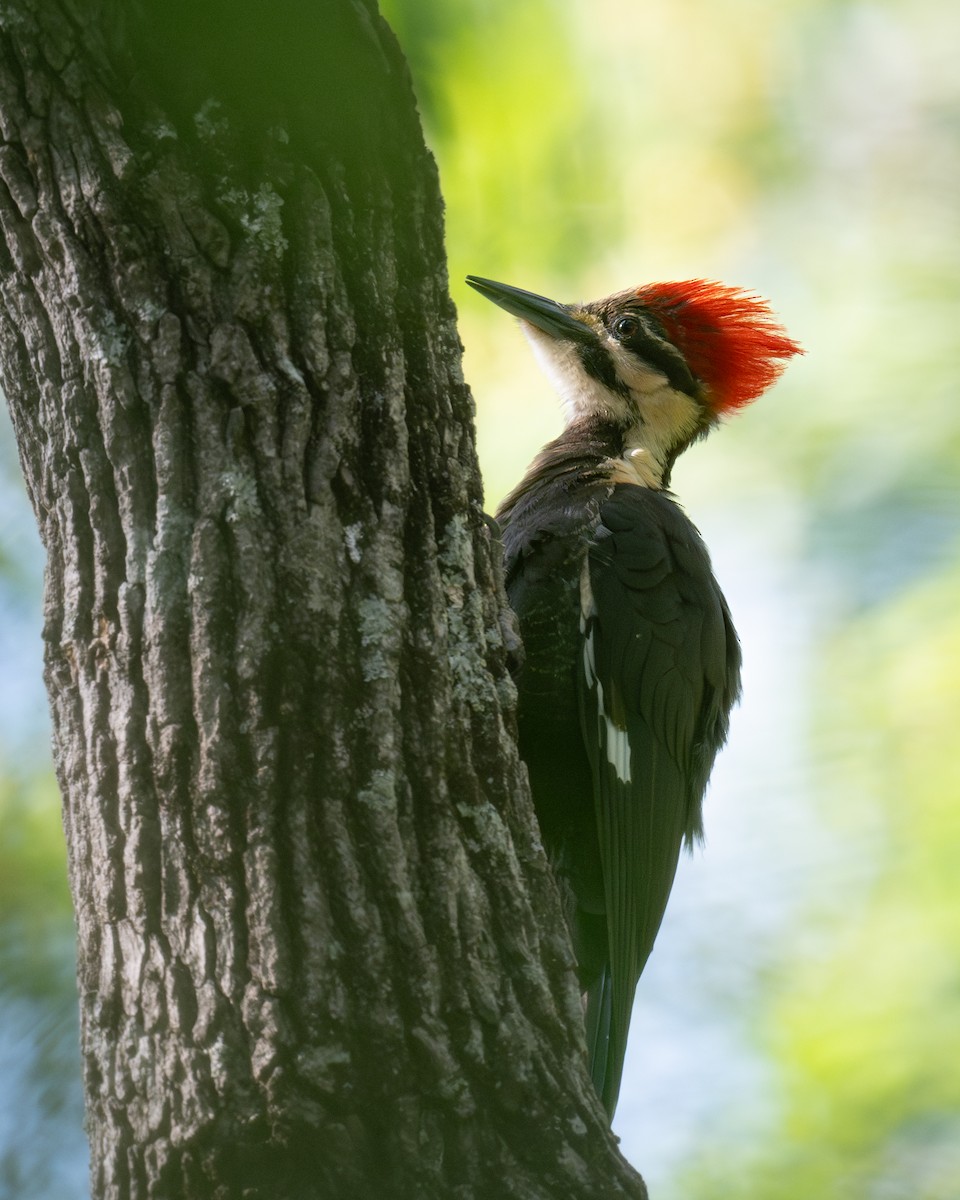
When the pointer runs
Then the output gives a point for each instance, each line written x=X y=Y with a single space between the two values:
x=320 y=950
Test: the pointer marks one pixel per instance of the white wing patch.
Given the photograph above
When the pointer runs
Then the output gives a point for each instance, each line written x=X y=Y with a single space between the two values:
x=616 y=740
x=618 y=744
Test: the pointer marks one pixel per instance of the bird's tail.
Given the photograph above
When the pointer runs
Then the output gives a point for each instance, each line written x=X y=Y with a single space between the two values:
x=604 y=1051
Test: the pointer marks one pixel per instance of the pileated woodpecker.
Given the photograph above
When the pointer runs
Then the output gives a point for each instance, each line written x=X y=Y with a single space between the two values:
x=631 y=662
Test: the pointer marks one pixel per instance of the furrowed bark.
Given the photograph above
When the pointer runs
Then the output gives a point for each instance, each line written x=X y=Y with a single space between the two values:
x=320 y=951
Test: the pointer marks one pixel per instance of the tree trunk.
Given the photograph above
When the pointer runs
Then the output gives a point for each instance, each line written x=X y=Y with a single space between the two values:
x=320 y=950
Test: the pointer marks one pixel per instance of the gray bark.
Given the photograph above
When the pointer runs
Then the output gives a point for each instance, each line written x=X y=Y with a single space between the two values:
x=320 y=950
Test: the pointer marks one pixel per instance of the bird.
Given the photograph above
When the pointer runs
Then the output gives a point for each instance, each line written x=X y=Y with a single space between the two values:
x=631 y=663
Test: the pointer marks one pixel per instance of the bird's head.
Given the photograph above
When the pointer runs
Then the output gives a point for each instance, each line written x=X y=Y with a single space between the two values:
x=660 y=363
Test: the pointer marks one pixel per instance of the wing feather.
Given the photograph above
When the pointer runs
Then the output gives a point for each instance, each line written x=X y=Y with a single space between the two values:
x=657 y=678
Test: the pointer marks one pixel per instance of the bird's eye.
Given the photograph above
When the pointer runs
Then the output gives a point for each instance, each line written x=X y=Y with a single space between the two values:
x=625 y=327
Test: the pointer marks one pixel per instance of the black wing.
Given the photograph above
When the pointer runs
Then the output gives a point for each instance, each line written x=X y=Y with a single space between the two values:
x=658 y=675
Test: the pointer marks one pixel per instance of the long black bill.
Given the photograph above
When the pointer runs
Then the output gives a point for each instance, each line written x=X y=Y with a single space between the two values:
x=553 y=318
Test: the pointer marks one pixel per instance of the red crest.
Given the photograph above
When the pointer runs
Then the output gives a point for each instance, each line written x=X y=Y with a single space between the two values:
x=730 y=338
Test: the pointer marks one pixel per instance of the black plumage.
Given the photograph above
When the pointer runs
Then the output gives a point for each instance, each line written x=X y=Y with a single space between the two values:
x=627 y=636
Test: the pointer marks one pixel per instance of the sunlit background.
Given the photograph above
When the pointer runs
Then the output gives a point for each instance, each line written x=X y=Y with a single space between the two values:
x=797 y=1032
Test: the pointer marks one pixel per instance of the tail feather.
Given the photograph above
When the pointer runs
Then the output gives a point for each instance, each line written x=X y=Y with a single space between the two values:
x=605 y=1050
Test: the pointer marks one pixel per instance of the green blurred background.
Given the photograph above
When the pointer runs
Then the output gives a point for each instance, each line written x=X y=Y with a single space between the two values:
x=797 y=1032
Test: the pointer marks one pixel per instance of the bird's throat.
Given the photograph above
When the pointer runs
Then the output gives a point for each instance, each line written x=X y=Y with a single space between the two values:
x=639 y=466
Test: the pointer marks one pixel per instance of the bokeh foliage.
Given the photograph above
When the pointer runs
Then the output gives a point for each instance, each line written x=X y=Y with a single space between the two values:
x=809 y=149
x=42 y=1148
